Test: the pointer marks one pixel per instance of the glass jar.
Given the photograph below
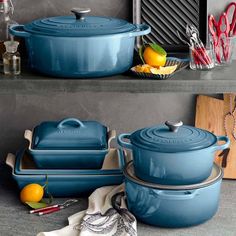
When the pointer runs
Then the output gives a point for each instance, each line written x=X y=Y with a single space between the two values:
x=6 y=12
x=11 y=59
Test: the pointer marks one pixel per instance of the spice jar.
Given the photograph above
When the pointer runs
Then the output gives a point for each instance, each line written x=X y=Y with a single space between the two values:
x=11 y=58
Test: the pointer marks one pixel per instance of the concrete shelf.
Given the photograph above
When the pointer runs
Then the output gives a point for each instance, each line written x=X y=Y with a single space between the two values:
x=219 y=80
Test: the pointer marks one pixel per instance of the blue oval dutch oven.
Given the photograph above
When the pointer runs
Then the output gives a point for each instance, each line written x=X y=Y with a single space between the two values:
x=173 y=206
x=173 y=153
x=79 y=45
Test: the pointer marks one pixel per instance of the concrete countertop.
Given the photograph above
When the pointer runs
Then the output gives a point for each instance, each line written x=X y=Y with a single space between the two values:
x=218 y=80
x=15 y=220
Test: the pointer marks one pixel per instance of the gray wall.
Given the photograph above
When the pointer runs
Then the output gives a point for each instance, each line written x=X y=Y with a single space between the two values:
x=123 y=112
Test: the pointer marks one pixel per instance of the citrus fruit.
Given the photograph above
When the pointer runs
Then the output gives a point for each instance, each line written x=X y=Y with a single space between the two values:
x=142 y=68
x=31 y=193
x=163 y=70
x=154 y=55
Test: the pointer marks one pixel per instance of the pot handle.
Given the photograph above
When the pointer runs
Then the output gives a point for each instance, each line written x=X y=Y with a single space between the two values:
x=123 y=143
x=185 y=195
x=10 y=160
x=142 y=29
x=80 y=12
x=63 y=122
x=218 y=147
x=18 y=30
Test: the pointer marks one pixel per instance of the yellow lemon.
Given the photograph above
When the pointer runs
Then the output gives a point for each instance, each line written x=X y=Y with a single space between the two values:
x=154 y=56
x=164 y=70
x=31 y=193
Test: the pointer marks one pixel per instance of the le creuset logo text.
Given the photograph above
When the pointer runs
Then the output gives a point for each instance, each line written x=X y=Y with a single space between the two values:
x=63 y=131
x=173 y=141
x=80 y=26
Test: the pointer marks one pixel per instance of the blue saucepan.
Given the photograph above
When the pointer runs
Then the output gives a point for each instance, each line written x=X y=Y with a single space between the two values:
x=173 y=206
x=173 y=154
x=80 y=46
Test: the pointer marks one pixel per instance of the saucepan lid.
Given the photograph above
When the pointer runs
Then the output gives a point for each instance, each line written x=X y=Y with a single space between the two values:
x=173 y=137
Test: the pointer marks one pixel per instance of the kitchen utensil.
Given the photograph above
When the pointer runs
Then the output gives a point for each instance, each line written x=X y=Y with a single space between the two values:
x=70 y=133
x=166 y=17
x=70 y=185
x=53 y=208
x=173 y=153
x=173 y=206
x=220 y=33
x=210 y=115
x=171 y=61
x=113 y=164
x=80 y=46
x=57 y=208
x=232 y=20
x=68 y=159
x=199 y=56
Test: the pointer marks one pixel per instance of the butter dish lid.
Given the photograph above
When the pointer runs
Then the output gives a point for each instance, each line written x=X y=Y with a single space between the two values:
x=71 y=134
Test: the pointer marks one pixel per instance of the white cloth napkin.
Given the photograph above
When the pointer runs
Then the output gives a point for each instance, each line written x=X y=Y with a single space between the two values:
x=107 y=215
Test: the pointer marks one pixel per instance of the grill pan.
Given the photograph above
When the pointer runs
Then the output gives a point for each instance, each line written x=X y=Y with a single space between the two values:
x=166 y=17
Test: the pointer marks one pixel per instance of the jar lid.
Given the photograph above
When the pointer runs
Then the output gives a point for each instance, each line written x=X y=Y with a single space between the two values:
x=216 y=175
x=173 y=137
x=79 y=25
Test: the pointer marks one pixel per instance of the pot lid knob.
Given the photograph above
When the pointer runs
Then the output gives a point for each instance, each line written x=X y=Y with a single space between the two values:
x=173 y=126
x=80 y=12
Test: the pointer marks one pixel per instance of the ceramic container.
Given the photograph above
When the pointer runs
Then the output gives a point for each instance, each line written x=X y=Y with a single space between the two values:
x=69 y=185
x=173 y=153
x=113 y=164
x=173 y=206
x=80 y=46
x=68 y=159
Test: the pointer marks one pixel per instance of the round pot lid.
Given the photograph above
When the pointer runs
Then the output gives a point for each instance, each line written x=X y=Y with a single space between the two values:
x=79 y=25
x=216 y=175
x=173 y=137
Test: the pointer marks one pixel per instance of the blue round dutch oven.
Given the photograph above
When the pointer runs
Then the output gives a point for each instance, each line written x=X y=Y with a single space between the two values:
x=173 y=206
x=80 y=46
x=173 y=153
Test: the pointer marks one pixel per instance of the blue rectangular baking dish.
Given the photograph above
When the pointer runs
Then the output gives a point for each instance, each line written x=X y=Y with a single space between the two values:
x=113 y=164
x=70 y=185
x=68 y=159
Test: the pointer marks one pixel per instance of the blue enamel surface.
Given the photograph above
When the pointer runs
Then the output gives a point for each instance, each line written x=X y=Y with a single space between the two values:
x=161 y=139
x=68 y=159
x=148 y=207
x=69 y=26
x=173 y=168
x=33 y=171
x=80 y=57
x=69 y=185
x=172 y=208
x=70 y=133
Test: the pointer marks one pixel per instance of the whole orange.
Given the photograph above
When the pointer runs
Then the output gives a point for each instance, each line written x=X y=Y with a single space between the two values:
x=154 y=58
x=31 y=193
